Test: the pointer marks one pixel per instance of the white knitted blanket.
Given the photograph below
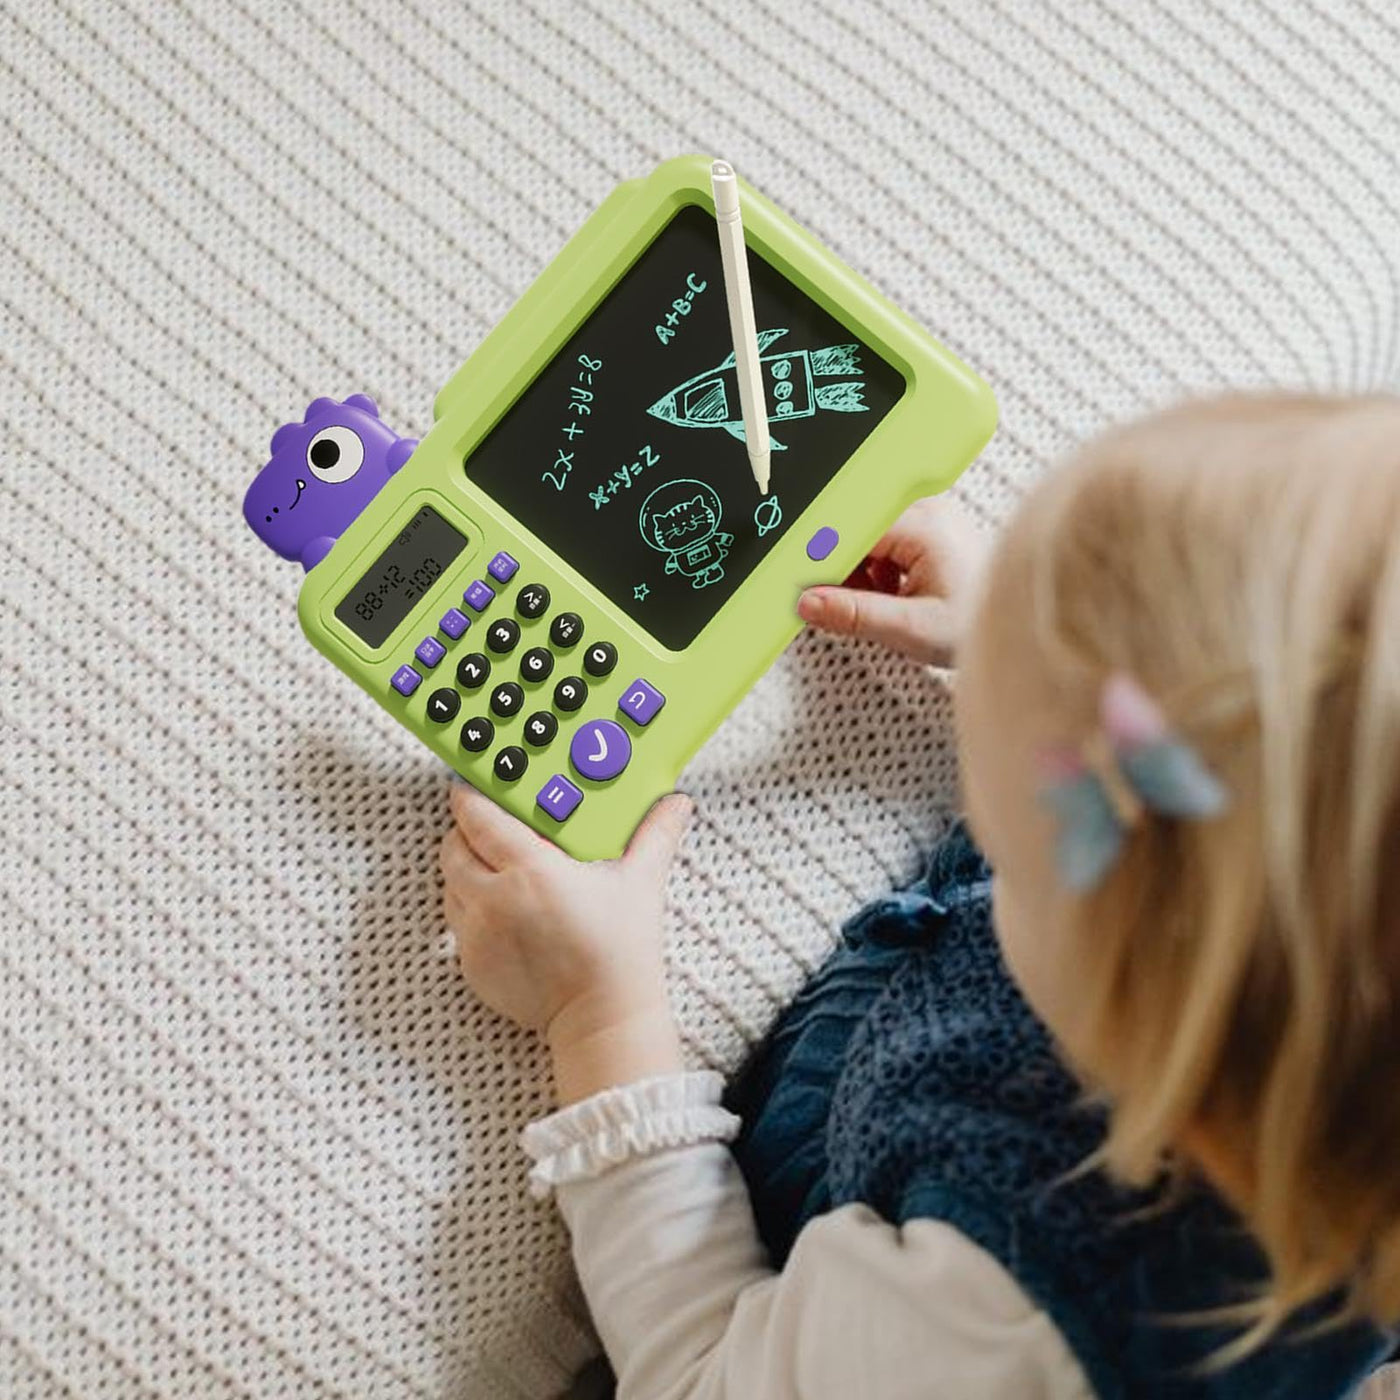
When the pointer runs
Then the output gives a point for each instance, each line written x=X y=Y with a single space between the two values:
x=256 y=1139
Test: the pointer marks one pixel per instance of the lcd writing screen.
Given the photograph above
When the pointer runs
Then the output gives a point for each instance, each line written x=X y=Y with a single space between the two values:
x=387 y=592
x=626 y=454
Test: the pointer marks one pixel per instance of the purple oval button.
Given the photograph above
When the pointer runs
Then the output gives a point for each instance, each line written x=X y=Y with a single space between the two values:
x=600 y=749
x=822 y=543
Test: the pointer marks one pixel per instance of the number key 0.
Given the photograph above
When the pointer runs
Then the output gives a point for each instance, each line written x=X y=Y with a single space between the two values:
x=600 y=658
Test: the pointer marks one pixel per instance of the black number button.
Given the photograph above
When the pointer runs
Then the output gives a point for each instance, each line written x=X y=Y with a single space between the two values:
x=536 y=664
x=506 y=699
x=502 y=635
x=510 y=763
x=571 y=692
x=566 y=629
x=540 y=728
x=600 y=658
x=532 y=600
x=472 y=670
x=443 y=705
x=477 y=734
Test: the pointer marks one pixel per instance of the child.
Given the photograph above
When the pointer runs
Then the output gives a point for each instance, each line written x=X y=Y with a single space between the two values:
x=1120 y=1120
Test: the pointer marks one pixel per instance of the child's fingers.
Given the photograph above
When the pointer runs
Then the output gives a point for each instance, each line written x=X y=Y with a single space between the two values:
x=881 y=574
x=494 y=836
x=920 y=627
x=856 y=612
x=659 y=836
x=927 y=524
x=901 y=546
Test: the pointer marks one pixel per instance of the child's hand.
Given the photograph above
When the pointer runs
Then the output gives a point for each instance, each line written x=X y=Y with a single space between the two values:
x=914 y=591
x=563 y=946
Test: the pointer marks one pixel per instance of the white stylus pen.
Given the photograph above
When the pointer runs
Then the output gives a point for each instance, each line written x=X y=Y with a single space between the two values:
x=742 y=328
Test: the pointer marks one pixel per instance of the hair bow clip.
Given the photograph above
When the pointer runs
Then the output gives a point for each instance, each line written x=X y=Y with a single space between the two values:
x=1131 y=765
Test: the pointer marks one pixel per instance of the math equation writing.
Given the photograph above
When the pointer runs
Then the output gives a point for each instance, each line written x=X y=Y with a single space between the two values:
x=680 y=307
x=580 y=404
x=624 y=476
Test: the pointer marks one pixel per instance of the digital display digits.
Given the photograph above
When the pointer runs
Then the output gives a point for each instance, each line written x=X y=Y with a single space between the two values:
x=400 y=577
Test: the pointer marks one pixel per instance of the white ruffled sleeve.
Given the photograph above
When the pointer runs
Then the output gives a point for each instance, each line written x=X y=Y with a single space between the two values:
x=689 y=1307
x=587 y=1138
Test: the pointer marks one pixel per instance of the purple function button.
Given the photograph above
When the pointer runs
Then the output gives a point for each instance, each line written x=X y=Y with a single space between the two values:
x=454 y=622
x=406 y=680
x=478 y=594
x=600 y=750
x=558 y=797
x=640 y=701
x=822 y=543
x=430 y=651
x=502 y=567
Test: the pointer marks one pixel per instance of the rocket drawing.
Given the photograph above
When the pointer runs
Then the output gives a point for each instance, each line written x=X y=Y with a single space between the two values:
x=796 y=383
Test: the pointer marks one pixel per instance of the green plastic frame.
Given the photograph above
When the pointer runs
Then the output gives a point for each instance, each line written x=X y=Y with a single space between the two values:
x=945 y=417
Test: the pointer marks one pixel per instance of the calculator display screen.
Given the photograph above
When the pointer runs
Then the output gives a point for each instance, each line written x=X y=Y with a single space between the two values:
x=626 y=454
x=400 y=577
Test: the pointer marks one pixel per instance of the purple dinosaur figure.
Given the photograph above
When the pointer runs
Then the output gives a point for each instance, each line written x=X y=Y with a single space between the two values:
x=323 y=472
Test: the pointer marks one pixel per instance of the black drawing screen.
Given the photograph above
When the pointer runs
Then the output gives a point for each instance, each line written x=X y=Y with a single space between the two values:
x=626 y=454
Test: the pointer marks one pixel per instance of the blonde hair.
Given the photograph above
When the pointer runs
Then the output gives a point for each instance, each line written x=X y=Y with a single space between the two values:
x=1241 y=558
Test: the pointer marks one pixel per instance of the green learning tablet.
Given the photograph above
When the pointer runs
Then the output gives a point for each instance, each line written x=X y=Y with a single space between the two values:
x=568 y=583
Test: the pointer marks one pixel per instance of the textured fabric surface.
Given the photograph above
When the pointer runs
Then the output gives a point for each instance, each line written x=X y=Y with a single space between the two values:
x=255 y=1136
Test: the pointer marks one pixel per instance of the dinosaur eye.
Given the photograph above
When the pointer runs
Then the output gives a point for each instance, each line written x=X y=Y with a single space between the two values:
x=335 y=454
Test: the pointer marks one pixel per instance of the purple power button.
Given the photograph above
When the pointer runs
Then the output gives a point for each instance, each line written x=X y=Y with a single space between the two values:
x=558 y=797
x=822 y=543
x=600 y=750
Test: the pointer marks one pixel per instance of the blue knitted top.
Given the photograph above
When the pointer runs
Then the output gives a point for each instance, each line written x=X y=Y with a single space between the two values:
x=948 y=1101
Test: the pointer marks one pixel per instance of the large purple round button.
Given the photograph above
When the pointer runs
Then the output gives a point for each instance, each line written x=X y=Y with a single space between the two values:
x=600 y=750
